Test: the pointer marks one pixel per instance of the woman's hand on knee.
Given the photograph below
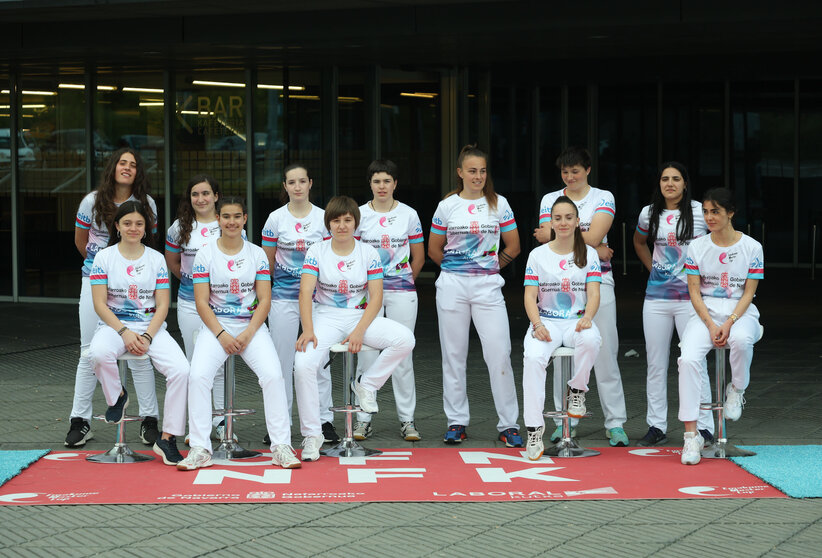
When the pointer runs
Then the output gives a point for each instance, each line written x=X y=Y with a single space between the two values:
x=304 y=339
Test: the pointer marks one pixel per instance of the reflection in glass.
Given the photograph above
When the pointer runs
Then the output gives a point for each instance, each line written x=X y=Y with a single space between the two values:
x=5 y=186
x=269 y=158
x=810 y=168
x=354 y=155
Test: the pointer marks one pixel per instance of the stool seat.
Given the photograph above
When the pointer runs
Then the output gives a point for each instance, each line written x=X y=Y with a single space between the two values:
x=348 y=447
x=567 y=446
x=121 y=453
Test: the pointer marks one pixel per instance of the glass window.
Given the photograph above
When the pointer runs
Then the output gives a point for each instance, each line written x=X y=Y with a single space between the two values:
x=810 y=168
x=270 y=148
x=762 y=151
x=5 y=184
x=305 y=129
x=550 y=139
x=353 y=146
x=53 y=180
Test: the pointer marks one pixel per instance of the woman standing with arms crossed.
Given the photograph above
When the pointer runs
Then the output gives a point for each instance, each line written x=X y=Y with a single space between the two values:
x=671 y=222
x=232 y=286
x=466 y=231
x=394 y=229
x=596 y=214
x=124 y=178
x=196 y=225
x=129 y=285
x=288 y=233
x=562 y=281
x=724 y=269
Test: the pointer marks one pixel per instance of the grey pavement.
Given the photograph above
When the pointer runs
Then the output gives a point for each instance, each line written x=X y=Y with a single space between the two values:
x=38 y=355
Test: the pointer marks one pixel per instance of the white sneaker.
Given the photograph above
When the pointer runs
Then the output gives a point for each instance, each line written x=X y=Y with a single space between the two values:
x=285 y=457
x=362 y=430
x=535 y=448
x=311 y=447
x=692 y=450
x=734 y=401
x=367 y=397
x=197 y=458
x=576 y=404
x=409 y=432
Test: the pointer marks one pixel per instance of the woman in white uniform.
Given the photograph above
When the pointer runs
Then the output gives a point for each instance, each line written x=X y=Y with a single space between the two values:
x=596 y=215
x=287 y=234
x=394 y=229
x=232 y=286
x=124 y=178
x=196 y=225
x=724 y=269
x=562 y=281
x=467 y=231
x=670 y=223
x=340 y=301
x=130 y=289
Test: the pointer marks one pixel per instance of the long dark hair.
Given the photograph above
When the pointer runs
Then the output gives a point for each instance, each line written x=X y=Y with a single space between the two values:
x=125 y=208
x=721 y=197
x=685 y=227
x=580 y=249
x=104 y=206
x=185 y=212
x=488 y=190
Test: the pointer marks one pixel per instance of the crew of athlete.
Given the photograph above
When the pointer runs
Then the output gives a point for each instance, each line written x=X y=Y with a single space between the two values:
x=346 y=274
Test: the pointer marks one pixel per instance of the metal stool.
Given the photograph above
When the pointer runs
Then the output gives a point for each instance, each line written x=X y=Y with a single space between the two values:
x=121 y=453
x=228 y=448
x=567 y=446
x=347 y=446
x=721 y=449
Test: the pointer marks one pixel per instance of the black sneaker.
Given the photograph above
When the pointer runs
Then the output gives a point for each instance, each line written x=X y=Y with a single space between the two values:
x=79 y=433
x=167 y=449
x=707 y=437
x=654 y=437
x=148 y=431
x=330 y=435
x=267 y=440
x=116 y=412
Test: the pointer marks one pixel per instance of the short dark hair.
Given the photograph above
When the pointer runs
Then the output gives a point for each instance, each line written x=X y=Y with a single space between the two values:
x=572 y=156
x=382 y=165
x=339 y=206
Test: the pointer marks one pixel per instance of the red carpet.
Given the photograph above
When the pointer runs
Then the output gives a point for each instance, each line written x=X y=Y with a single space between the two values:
x=419 y=475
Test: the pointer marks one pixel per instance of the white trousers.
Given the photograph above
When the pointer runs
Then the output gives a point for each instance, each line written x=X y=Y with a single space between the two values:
x=261 y=357
x=163 y=352
x=400 y=306
x=190 y=323
x=332 y=325
x=85 y=381
x=478 y=298
x=537 y=354
x=696 y=342
x=606 y=369
x=284 y=323
x=658 y=320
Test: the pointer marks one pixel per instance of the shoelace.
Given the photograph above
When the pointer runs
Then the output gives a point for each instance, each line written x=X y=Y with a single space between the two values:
x=284 y=453
x=534 y=437
x=575 y=399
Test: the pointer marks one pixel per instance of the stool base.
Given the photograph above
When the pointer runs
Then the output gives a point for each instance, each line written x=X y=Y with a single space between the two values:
x=349 y=448
x=120 y=453
x=722 y=449
x=568 y=447
x=232 y=450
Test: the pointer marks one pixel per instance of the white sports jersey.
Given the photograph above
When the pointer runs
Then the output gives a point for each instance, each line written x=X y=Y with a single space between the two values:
x=97 y=234
x=342 y=282
x=130 y=283
x=596 y=201
x=392 y=234
x=232 y=278
x=472 y=230
x=201 y=234
x=723 y=270
x=292 y=237
x=668 y=280
x=561 y=283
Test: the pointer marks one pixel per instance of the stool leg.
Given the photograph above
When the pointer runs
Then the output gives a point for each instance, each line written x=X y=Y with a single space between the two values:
x=721 y=449
x=120 y=453
x=348 y=447
x=228 y=448
x=567 y=446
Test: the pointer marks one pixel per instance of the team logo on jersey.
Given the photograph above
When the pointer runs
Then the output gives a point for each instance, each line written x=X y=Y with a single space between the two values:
x=298 y=227
x=199 y=268
x=312 y=261
x=418 y=229
x=132 y=292
x=234 y=286
x=300 y=245
x=383 y=222
x=672 y=238
x=437 y=221
x=529 y=270
x=474 y=228
x=385 y=242
x=83 y=217
x=727 y=257
x=671 y=219
x=162 y=274
x=472 y=209
x=342 y=286
x=565 y=285
x=130 y=271
x=268 y=233
x=757 y=263
x=563 y=264
x=231 y=265
x=508 y=215
x=723 y=280
x=205 y=232
x=341 y=266
x=235 y=265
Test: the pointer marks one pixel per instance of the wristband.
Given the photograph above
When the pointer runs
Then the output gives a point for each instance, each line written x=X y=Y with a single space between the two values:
x=733 y=317
x=121 y=330
x=219 y=334
x=148 y=336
